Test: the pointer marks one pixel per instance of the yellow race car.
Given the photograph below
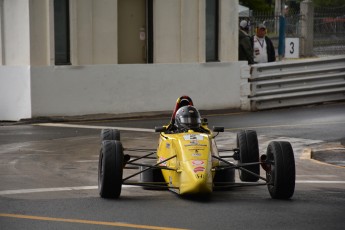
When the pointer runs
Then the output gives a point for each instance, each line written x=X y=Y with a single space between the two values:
x=187 y=160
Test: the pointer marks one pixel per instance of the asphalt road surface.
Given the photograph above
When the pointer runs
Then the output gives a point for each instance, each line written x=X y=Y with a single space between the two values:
x=48 y=175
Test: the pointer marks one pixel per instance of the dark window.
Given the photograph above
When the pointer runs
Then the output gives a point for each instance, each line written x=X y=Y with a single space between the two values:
x=149 y=29
x=61 y=32
x=212 y=7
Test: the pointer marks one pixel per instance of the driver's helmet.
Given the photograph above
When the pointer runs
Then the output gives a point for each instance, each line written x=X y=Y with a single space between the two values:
x=187 y=117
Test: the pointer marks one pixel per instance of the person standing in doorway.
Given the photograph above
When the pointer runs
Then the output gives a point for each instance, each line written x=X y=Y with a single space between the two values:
x=245 y=49
x=263 y=46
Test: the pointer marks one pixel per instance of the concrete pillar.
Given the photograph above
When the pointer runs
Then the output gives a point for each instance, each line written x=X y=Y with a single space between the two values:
x=179 y=31
x=1 y=28
x=228 y=30
x=307 y=28
x=41 y=32
x=15 y=32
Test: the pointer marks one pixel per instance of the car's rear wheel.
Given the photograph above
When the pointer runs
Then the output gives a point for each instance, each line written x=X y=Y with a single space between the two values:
x=110 y=169
x=247 y=142
x=223 y=178
x=110 y=134
x=152 y=176
x=282 y=174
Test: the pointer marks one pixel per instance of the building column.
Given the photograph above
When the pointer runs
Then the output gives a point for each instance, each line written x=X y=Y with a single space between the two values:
x=228 y=30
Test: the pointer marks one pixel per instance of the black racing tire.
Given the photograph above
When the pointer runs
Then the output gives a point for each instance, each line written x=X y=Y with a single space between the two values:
x=152 y=175
x=110 y=135
x=281 y=177
x=247 y=143
x=110 y=169
x=223 y=177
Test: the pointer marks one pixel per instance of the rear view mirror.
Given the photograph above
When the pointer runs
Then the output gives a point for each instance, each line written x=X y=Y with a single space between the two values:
x=160 y=129
x=218 y=129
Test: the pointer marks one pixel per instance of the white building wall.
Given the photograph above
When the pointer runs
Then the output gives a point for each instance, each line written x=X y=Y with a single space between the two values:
x=15 y=93
x=118 y=89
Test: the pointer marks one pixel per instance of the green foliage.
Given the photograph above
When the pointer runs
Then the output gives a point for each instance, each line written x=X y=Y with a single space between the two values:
x=328 y=3
x=257 y=5
x=266 y=5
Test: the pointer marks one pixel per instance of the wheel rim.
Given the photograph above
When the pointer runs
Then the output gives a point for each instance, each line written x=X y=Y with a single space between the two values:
x=270 y=175
x=100 y=171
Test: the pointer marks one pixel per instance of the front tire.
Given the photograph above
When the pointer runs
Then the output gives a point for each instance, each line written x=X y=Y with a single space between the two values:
x=110 y=169
x=281 y=177
x=110 y=134
x=247 y=142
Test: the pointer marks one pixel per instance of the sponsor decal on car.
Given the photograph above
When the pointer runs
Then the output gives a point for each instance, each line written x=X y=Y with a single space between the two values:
x=198 y=162
x=199 y=169
x=194 y=144
x=162 y=159
x=199 y=176
x=196 y=137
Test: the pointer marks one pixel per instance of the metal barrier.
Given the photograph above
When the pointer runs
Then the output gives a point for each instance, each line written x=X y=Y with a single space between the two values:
x=284 y=84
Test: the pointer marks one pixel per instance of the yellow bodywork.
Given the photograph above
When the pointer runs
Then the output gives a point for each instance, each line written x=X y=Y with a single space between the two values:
x=189 y=162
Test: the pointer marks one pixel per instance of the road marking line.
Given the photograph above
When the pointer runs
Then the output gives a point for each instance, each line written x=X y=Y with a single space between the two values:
x=104 y=223
x=94 y=127
x=87 y=161
x=280 y=126
x=36 y=190
x=319 y=182
x=316 y=175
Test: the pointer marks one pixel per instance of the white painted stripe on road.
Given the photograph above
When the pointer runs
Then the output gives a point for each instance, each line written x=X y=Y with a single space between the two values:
x=319 y=182
x=94 y=127
x=316 y=176
x=87 y=161
x=36 y=190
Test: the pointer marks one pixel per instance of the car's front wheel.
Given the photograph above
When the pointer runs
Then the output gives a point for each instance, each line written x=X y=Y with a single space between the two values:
x=110 y=169
x=110 y=135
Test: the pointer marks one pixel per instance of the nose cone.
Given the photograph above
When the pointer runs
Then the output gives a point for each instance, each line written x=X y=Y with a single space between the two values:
x=196 y=177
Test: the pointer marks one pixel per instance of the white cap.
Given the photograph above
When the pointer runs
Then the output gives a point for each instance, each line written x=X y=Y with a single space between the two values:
x=244 y=24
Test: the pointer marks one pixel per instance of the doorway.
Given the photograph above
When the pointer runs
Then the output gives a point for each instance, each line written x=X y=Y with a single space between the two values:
x=134 y=35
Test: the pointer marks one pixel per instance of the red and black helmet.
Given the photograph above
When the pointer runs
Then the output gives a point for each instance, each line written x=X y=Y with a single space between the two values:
x=187 y=117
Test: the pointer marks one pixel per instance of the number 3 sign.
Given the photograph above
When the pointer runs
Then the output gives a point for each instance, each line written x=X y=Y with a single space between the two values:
x=292 y=47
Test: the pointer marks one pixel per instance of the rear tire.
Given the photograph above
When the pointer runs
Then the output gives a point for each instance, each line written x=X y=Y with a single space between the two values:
x=152 y=175
x=281 y=177
x=223 y=177
x=110 y=134
x=110 y=169
x=247 y=142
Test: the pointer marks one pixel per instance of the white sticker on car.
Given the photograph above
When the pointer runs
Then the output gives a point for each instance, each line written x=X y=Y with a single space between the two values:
x=193 y=137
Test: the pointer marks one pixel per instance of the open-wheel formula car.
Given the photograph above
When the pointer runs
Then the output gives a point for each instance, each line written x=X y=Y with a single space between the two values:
x=187 y=160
